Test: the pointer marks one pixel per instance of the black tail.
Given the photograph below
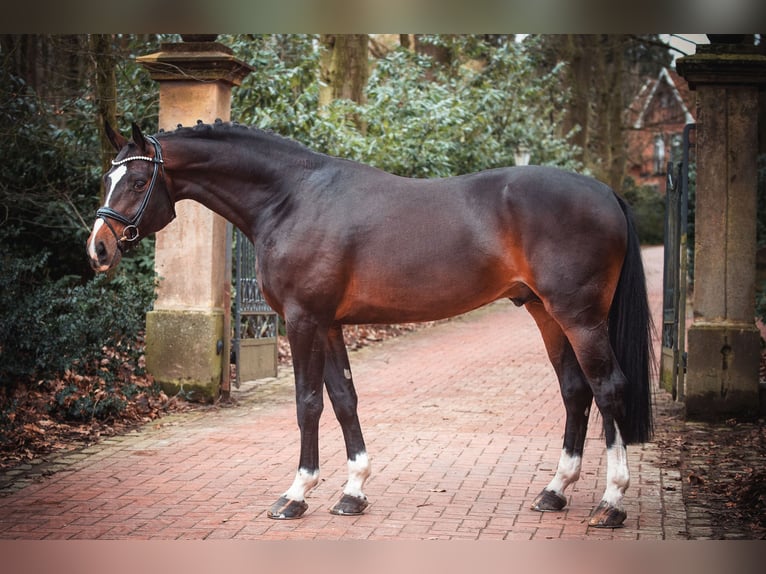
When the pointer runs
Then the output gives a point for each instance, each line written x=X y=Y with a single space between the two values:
x=630 y=333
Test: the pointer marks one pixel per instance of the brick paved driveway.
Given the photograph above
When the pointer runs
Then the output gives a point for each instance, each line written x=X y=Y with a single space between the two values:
x=463 y=423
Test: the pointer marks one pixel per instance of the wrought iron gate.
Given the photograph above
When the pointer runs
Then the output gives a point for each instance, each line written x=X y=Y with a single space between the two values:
x=673 y=360
x=255 y=326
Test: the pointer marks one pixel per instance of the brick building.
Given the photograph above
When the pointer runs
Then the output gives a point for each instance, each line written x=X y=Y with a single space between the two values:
x=656 y=121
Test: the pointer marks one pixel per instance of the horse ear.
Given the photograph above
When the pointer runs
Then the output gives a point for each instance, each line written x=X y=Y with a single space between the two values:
x=118 y=141
x=138 y=138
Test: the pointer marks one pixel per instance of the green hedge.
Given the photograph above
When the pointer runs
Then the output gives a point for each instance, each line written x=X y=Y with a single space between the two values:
x=83 y=342
x=648 y=210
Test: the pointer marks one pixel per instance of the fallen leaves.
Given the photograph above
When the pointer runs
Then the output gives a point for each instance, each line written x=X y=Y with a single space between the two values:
x=724 y=469
x=695 y=479
x=78 y=408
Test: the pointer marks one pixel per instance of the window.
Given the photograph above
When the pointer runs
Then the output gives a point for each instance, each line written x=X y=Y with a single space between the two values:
x=659 y=154
x=676 y=147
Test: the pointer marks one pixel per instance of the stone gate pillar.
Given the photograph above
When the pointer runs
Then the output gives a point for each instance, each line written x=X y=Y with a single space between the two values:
x=723 y=341
x=184 y=332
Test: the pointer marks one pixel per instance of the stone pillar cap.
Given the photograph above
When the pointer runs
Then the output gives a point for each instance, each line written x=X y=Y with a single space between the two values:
x=725 y=64
x=202 y=61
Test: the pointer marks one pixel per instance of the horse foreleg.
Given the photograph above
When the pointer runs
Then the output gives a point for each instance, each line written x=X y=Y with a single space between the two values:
x=577 y=398
x=340 y=388
x=307 y=344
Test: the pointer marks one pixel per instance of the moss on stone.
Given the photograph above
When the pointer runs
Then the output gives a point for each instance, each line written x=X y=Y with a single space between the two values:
x=182 y=352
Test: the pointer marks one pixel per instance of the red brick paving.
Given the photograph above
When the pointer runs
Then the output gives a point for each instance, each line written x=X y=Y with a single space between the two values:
x=463 y=423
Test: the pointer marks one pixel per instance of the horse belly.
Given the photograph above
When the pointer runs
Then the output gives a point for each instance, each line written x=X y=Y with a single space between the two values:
x=391 y=293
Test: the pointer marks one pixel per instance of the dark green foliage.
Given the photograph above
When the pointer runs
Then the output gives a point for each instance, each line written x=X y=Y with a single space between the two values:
x=760 y=294
x=80 y=342
x=51 y=170
x=62 y=330
x=75 y=405
x=46 y=182
x=761 y=221
x=420 y=120
x=760 y=302
x=648 y=208
x=48 y=327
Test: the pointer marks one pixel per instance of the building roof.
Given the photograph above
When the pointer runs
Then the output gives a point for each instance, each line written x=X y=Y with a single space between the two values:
x=643 y=100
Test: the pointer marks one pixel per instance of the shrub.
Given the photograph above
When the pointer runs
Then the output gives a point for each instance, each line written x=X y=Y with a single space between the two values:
x=418 y=121
x=49 y=327
x=649 y=211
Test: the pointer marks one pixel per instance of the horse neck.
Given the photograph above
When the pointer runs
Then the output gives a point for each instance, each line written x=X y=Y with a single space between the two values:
x=237 y=177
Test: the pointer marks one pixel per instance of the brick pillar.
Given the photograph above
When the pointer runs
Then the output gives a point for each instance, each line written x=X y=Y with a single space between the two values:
x=184 y=332
x=723 y=341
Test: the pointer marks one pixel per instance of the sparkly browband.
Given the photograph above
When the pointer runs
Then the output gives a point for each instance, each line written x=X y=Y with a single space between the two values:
x=135 y=157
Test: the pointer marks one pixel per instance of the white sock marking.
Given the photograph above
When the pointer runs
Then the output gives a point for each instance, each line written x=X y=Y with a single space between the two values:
x=358 y=472
x=304 y=481
x=567 y=472
x=617 y=473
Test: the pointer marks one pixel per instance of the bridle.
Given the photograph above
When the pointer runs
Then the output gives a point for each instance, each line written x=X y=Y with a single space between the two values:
x=130 y=232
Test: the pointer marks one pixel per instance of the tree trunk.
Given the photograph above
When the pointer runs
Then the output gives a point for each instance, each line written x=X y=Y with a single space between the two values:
x=615 y=133
x=606 y=143
x=105 y=94
x=596 y=84
x=442 y=53
x=344 y=67
x=578 y=50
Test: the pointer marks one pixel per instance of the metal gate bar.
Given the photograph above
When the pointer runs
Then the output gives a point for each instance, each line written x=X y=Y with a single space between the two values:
x=255 y=325
x=673 y=360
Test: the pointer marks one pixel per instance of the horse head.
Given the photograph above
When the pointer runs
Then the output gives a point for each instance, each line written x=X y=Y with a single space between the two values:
x=137 y=203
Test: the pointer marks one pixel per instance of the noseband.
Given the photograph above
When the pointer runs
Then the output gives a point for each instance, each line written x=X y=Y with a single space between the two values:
x=130 y=232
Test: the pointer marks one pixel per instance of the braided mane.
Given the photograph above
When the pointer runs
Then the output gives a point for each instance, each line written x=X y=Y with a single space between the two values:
x=223 y=129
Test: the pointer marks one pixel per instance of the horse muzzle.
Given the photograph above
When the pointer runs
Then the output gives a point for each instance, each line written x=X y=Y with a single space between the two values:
x=103 y=247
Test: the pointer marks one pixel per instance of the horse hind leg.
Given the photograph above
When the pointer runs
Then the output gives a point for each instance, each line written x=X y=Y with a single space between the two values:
x=610 y=512
x=340 y=388
x=595 y=355
x=577 y=398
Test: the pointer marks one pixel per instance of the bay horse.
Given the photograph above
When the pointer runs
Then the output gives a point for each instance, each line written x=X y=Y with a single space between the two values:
x=339 y=242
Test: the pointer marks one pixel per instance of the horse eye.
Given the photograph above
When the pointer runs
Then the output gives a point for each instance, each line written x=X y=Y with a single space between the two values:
x=139 y=184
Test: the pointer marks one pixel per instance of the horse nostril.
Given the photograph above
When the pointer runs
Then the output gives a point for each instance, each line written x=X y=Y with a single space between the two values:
x=101 y=250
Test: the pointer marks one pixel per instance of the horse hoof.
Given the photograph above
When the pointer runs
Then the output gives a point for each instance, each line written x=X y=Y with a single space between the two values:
x=607 y=516
x=349 y=505
x=286 y=509
x=549 y=501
